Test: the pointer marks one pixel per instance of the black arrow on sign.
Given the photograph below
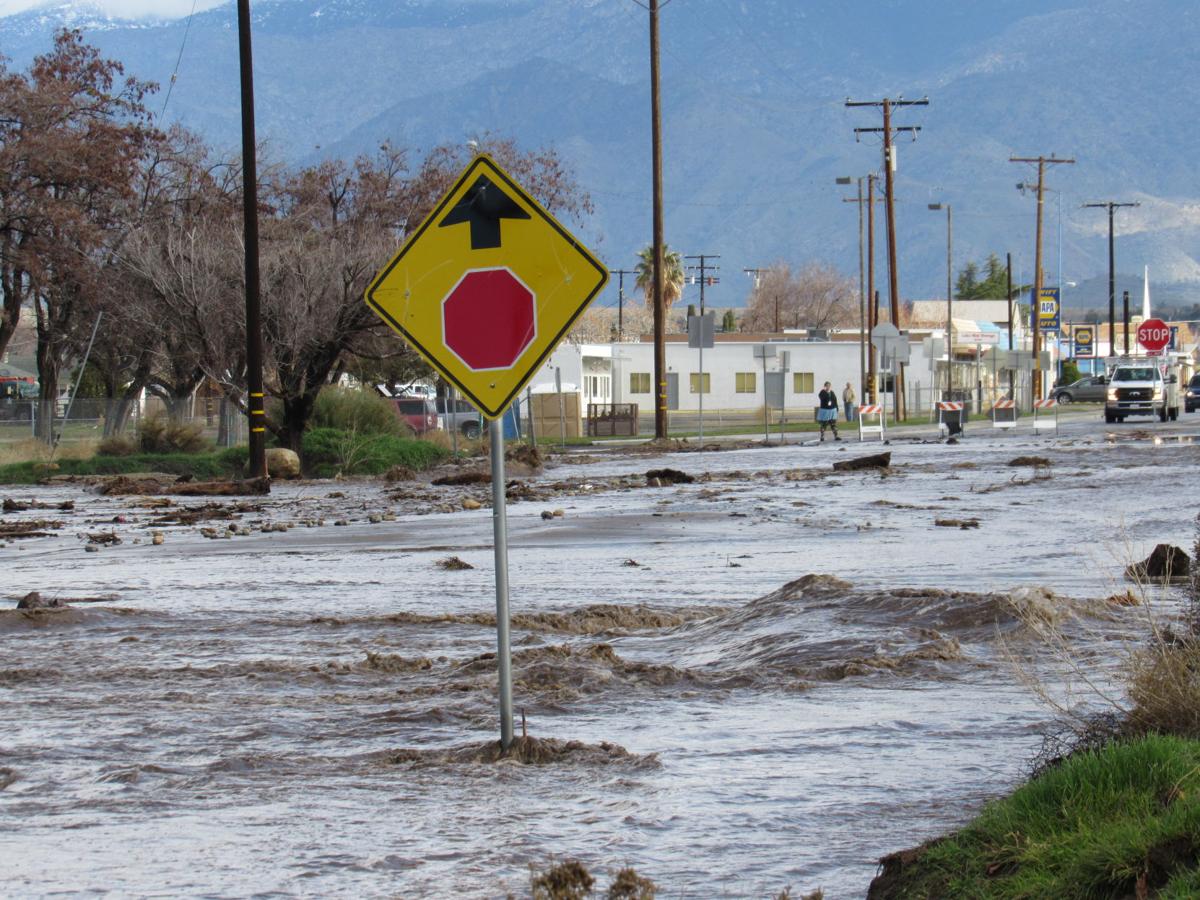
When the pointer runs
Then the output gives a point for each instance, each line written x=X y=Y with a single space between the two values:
x=483 y=206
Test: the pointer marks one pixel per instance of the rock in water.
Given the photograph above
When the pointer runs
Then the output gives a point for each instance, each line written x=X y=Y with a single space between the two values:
x=282 y=463
x=667 y=477
x=877 y=461
x=1166 y=562
x=34 y=600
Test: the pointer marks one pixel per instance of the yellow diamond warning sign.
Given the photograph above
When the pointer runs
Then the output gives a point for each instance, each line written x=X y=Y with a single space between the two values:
x=487 y=286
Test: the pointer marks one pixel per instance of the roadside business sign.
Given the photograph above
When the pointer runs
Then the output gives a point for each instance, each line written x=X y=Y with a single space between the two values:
x=978 y=338
x=1154 y=335
x=1085 y=340
x=487 y=286
x=1047 y=310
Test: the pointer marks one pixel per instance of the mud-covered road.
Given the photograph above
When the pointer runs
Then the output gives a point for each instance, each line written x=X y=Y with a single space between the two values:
x=292 y=695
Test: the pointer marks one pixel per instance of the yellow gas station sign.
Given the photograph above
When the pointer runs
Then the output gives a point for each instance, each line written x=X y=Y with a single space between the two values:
x=487 y=286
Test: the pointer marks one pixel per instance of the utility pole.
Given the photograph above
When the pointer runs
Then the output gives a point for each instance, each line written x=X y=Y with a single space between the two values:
x=255 y=407
x=621 y=273
x=1008 y=276
x=949 y=297
x=1125 y=321
x=1042 y=162
x=1110 y=205
x=889 y=172
x=660 y=308
x=702 y=268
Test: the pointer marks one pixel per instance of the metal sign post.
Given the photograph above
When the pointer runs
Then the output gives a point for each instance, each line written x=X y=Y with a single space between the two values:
x=500 y=542
x=765 y=352
x=700 y=335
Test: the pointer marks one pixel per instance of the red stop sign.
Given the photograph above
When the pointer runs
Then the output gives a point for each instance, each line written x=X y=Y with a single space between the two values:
x=1154 y=335
x=488 y=319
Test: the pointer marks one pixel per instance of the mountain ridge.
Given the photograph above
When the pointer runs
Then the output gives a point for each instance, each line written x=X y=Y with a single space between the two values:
x=754 y=127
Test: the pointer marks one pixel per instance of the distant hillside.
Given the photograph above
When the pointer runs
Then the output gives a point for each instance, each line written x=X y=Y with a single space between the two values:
x=755 y=129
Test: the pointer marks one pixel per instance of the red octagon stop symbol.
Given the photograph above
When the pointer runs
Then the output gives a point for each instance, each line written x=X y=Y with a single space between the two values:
x=1154 y=335
x=488 y=319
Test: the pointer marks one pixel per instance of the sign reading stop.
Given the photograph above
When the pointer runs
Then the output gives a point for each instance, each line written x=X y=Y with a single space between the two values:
x=1154 y=335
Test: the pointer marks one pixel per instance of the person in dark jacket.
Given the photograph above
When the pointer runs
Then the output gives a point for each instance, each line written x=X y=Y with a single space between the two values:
x=827 y=414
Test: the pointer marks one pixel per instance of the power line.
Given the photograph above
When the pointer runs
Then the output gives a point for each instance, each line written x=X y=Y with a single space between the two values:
x=175 y=74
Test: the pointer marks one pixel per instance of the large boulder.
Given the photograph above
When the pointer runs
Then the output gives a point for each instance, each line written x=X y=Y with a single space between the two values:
x=282 y=463
x=1165 y=563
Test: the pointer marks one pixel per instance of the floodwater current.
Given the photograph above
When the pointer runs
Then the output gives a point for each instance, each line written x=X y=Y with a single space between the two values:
x=304 y=712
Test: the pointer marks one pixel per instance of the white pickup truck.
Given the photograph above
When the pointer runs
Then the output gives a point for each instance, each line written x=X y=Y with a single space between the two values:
x=1140 y=388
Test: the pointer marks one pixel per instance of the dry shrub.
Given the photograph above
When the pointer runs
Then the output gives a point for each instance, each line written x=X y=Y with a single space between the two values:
x=1164 y=686
x=117 y=445
x=629 y=885
x=568 y=880
x=158 y=434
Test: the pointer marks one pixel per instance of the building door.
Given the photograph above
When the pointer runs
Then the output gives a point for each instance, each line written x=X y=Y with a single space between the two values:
x=672 y=390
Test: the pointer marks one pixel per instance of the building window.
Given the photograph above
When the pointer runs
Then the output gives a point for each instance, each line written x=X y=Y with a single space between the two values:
x=802 y=382
x=639 y=382
x=694 y=381
x=745 y=382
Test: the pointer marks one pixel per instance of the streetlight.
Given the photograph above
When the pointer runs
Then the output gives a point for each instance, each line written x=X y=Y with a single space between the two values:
x=949 y=295
x=862 y=291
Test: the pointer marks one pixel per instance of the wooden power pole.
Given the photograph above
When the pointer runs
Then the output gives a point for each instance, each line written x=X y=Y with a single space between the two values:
x=1042 y=162
x=889 y=187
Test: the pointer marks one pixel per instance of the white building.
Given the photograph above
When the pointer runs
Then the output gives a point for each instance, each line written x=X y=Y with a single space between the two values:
x=734 y=376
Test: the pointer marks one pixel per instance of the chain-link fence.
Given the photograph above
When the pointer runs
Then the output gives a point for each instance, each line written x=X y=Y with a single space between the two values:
x=94 y=419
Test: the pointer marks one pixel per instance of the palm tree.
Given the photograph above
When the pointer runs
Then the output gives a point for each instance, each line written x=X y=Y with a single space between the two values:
x=672 y=274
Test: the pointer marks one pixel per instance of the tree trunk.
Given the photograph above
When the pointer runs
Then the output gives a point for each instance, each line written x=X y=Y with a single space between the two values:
x=296 y=413
x=223 y=429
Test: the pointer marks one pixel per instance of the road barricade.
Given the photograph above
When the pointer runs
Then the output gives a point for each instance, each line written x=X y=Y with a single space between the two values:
x=870 y=409
x=952 y=417
x=1004 y=414
x=1046 y=421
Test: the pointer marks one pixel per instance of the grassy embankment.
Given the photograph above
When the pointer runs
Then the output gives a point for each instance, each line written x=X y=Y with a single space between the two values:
x=1122 y=821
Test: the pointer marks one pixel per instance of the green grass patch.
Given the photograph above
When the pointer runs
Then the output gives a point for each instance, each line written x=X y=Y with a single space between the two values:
x=328 y=452
x=224 y=464
x=1122 y=821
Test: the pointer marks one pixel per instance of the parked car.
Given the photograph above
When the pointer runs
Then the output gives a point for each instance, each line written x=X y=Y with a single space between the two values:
x=418 y=412
x=1092 y=389
x=1191 y=400
x=460 y=416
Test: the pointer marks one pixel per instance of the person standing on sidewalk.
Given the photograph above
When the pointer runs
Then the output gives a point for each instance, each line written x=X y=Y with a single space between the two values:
x=827 y=413
x=848 y=402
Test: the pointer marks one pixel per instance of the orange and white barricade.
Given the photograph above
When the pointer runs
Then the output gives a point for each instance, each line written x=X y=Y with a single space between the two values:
x=1004 y=414
x=1045 y=422
x=870 y=409
x=952 y=417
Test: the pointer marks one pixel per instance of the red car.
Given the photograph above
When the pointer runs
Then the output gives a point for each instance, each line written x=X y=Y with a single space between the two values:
x=418 y=412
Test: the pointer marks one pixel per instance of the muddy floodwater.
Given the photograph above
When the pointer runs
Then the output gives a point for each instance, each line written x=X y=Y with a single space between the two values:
x=767 y=677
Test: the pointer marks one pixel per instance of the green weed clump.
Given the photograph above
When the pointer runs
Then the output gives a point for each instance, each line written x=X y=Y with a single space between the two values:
x=1122 y=821
x=362 y=412
x=330 y=452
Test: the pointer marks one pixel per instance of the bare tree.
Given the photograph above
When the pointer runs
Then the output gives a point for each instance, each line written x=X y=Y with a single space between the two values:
x=818 y=296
